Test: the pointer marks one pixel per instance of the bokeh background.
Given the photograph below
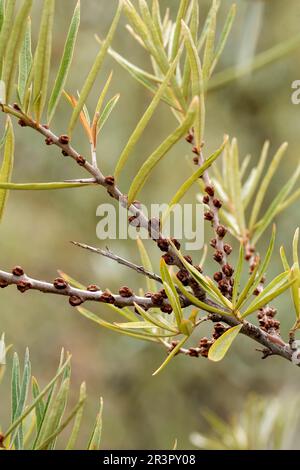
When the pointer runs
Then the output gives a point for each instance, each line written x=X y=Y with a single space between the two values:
x=142 y=411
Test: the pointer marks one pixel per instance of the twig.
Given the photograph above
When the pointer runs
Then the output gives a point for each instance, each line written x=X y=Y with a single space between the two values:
x=109 y=254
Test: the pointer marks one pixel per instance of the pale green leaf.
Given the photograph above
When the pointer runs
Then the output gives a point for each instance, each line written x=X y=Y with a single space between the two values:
x=237 y=275
x=65 y=63
x=107 y=111
x=41 y=186
x=7 y=25
x=221 y=346
x=25 y=62
x=146 y=262
x=7 y=164
x=180 y=16
x=171 y=355
x=95 y=440
x=224 y=36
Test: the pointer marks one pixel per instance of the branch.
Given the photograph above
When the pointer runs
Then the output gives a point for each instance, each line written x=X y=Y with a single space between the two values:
x=109 y=254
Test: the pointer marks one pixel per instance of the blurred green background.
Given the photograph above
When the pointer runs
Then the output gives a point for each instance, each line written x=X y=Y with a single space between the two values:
x=142 y=411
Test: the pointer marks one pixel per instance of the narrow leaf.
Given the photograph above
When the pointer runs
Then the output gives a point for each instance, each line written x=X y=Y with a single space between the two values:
x=7 y=164
x=221 y=346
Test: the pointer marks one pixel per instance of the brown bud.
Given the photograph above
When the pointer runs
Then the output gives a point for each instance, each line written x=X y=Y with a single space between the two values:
x=75 y=300
x=49 y=141
x=205 y=199
x=166 y=309
x=23 y=286
x=219 y=329
x=162 y=292
x=109 y=180
x=188 y=259
x=183 y=276
x=195 y=151
x=22 y=123
x=107 y=298
x=176 y=243
x=81 y=160
x=125 y=292
x=193 y=352
x=218 y=256
x=218 y=276
x=93 y=288
x=64 y=139
x=196 y=160
x=3 y=284
x=224 y=286
x=210 y=190
x=16 y=107
x=65 y=154
x=208 y=215
x=18 y=271
x=60 y=284
x=213 y=243
x=45 y=126
x=227 y=249
x=157 y=299
x=221 y=231
x=217 y=203
x=168 y=259
x=148 y=295
x=228 y=270
x=189 y=138
x=163 y=244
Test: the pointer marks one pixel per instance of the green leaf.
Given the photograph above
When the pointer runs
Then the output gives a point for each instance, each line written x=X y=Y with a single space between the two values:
x=197 y=84
x=156 y=320
x=40 y=407
x=91 y=78
x=181 y=14
x=194 y=177
x=261 y=60
x=25 y=62
x=273 y=208
x=171 y=292
x=295 y=274
x=251 y=184
x=146 y=262
x=171 y=355
x=107 y=111
x=221 y=346
x=208 y=56
x=15 y=386
x=17 y=438
x=236 y=187
x=78 y=410
x=101 y=99
x=6 y=29
x=265 y=184
x=224 y=36
x=65 y=63
x=237 y=275
x=137 y=133
x=41 y=186
x=95 y=440
x=160 y=152
x=7 y=164
x=13 y=48
x=2 y=6
x=198 y=303
x=42 y=59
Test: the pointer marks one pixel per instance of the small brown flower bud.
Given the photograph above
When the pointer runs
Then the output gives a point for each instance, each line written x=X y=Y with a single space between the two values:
x=65 y=154
x=217 y=203
x=93 y=288
x=195 y=151
x=168 y=259
x=3 y=284
x=189 y=138
x=193 y=352
x=176 y=243
x=227 y=249
x=60 y=284
x=49 y=141
x=107 y=298
x=148 y=295
x=109 y=180
x=162 y=292
x=75 y=300
x=228 y=270
x=221 y=231
x=205 y=199
x=23 y=286
x=208 y=215
x=18 y=271
x=218 y=256
x=183 y=276
x=16 y=107
x=213 y=242
x=188 y=259
x=22 y=123
x=166 y=309
x=199 y=268
x=81 y=160
x=223 y=286
x=218 y=276
x=125 y=292
x=64 y=139
x=157 y=299
x=163 y=244
x=45 y=126
x=196 y=160
x=210 y=190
